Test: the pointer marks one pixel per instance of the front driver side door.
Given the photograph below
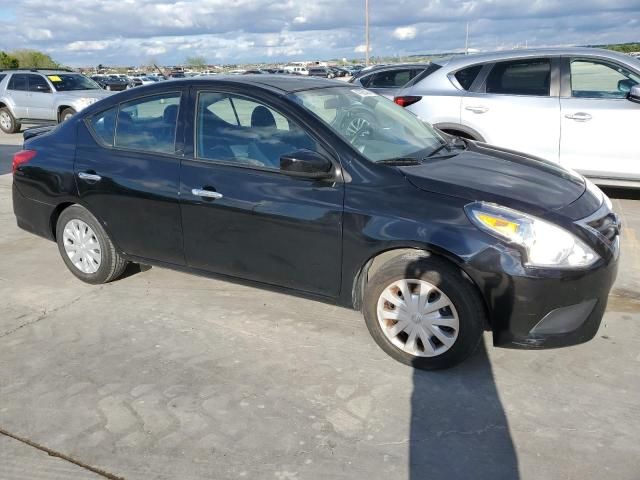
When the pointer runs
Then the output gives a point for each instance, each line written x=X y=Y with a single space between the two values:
x=599 y=124
x=263 y=226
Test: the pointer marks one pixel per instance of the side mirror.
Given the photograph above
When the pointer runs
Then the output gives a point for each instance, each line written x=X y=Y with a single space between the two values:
x=43 y=89
x=634 y=94
x=307 y=164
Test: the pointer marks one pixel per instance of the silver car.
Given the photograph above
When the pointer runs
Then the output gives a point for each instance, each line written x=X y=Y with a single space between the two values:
x=43 y=96
x=578 y=107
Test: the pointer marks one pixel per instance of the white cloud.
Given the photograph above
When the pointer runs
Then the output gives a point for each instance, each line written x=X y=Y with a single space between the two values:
x=360 y=49
x=89 y=45
x=405 y=33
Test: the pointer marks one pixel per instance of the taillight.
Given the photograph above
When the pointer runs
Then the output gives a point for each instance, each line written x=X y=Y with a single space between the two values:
x=22 y=157
x=407 y=100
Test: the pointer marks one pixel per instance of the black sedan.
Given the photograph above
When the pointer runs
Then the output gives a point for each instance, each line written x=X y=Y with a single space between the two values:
x=110 y=83
x=318 y=188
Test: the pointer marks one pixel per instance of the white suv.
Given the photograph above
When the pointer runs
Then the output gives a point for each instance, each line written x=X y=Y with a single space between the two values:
x=43 y=96
x=578 y=107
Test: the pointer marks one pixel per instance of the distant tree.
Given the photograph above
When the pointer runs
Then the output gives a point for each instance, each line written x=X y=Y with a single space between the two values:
x=34 y=59
x=8 y=61
x=196 y=62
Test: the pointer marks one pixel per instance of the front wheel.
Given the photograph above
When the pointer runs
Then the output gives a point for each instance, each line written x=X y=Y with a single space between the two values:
x=85 y=247
x=66 y=114
x=423 y=311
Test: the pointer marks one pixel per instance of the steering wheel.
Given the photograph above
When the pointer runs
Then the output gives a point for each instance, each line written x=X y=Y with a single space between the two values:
x=357 y=123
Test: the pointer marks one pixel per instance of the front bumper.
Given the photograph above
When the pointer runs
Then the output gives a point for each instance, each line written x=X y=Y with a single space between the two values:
x=541 y=308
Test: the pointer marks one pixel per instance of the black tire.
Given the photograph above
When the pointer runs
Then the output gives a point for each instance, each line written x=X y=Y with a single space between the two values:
x=111 y=263
x=14 y=126
x=66 y=112
x=449 y=280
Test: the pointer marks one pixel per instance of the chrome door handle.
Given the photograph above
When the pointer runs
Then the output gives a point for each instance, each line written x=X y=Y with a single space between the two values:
x=578 y=117
x=478 y=109
x=89 y=176
x=198 y=192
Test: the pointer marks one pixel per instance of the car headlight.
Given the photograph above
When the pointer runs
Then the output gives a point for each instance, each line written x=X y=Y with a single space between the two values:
x=85 y=102
x=546 y=245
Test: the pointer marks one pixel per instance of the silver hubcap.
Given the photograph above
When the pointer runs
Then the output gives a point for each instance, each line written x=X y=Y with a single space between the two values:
x=356 y=125
x=82 y=246
x=418 y=318
x=67 y=116
x=5 y=120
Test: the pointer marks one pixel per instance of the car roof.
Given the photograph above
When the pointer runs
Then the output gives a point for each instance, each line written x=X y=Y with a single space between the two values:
x=281 y=83
x=463 y=60
x=44 y=71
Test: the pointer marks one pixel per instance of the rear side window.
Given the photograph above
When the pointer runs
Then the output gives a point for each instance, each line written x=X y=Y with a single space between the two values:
x=521 y=77
x=467 y=76
x=18 y=81
x=104 y=125
x=148 y=124
x=2 y=75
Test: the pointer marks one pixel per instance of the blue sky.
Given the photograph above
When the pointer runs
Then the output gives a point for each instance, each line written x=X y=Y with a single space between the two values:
x=129 y=32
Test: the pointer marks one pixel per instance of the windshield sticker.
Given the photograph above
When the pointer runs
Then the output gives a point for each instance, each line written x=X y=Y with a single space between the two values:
x=361 y=92
x=54 y=78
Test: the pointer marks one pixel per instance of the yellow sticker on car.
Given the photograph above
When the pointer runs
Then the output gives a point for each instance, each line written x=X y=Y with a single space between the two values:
x=54 y=78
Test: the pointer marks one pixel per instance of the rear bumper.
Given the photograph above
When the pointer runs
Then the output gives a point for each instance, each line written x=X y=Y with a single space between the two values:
x=541 y=308
x=31 y=215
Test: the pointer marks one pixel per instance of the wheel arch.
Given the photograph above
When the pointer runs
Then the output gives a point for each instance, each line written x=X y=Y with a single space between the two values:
x=460 y=130
x=53 y=222
x=62 y=108
x=377 y=260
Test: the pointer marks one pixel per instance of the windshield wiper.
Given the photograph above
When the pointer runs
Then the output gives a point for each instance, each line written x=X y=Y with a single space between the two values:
x=454 y=143
x=400 y=161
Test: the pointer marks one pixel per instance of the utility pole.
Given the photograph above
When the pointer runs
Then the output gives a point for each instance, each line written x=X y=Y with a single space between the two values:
x=466 y=41
x=366 y=31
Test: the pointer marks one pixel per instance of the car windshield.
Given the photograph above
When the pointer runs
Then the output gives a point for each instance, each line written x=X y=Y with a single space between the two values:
x=64 y=82
x=378 y=128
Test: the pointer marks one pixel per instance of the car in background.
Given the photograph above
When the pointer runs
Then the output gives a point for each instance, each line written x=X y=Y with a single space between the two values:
x=297 y=69
x=322 y=72
x=43 y=96
x=261 y=179
x=337 y=72
x=387 y=80
x=578 y=107
x=110 y=83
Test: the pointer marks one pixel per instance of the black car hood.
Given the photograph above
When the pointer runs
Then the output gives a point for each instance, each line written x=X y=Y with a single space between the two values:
x=486 y=173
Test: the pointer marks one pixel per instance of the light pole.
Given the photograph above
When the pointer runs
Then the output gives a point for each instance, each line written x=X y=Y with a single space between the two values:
x=366 y=31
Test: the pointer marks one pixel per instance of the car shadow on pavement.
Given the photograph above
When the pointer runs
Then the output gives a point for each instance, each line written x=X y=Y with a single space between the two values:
x=458 y=426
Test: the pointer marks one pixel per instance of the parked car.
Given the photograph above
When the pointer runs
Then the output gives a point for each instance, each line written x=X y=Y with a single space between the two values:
x=572 y=106
x=387 y=80
x=336 y=72
x=322 y=72
x=263 y=179
x=109 y=83
x=43 y=96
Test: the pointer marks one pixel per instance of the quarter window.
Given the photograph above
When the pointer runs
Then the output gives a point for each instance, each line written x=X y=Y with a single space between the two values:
x=467 y=76
x=104 y=125
x=148 y=124
x=521 y=77
x=238 y=130
x=18 y=81
x=592 y=79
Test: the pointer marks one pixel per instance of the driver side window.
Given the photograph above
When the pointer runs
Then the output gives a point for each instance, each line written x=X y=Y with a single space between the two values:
x=239 y=130
x=592 y=79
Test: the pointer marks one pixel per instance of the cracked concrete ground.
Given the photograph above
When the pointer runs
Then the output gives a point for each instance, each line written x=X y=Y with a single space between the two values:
x=164 y=375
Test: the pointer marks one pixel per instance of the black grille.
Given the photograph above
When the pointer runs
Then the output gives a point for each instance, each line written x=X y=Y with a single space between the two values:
x=608 y=226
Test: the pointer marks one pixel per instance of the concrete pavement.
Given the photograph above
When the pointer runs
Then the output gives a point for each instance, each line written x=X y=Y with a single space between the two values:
x=164 y=375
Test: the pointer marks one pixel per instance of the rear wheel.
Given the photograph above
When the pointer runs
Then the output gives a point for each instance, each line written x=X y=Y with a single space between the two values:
x=424 y=312
x=8 y=123
x=85 y=247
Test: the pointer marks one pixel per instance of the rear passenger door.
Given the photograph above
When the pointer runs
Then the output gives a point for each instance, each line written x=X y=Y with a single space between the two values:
x=18 y=94
x=241 y=216
x=518 y=106
x=127 y=170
